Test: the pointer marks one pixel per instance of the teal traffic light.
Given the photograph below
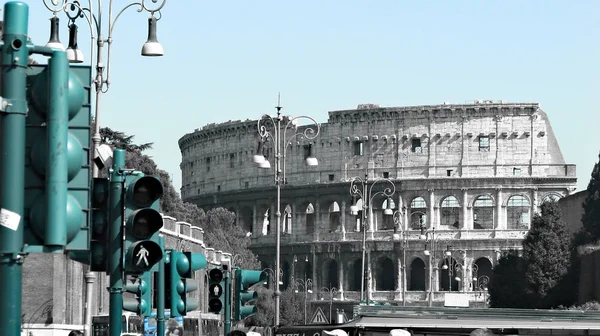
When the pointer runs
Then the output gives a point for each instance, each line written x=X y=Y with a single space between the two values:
x=57 y=139
x=182 y=265
x=142 y=224
x=244 y=279
x=216 y=289
x=141 y=287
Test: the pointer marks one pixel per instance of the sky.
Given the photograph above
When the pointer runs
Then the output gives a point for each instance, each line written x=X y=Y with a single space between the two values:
x=227 y=60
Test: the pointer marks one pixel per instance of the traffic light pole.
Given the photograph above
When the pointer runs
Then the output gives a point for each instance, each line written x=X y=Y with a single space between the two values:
x=227 y=302
x=13 y=109
x=160 y=300
x=115 y=243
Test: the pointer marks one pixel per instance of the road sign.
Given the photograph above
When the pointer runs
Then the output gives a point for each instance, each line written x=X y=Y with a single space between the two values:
x=319 y=317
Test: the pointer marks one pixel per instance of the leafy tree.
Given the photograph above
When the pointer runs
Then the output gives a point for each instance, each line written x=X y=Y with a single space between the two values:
x=591 y=210
x=547 y=255
x=292 y=308
x=266 y=309
x=507 y=284
x=117 y=139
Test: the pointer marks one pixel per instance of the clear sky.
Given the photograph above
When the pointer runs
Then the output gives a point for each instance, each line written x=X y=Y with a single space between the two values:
x=226 y=60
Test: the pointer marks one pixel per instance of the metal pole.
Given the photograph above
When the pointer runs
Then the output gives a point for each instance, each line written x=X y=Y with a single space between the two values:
x=89 y=286
x=277 y=133
x=227 y=298
x=305 y=299
x=116 y=240
x=160 y=299
x=98 y=83
x=13 y=114
x=364 y=240
x=404 y=243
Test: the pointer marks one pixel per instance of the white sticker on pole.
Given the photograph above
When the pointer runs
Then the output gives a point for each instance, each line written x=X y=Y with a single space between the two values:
x=9 y=219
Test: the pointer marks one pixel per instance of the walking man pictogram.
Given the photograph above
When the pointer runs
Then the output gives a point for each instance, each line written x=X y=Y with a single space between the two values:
x=142 y=254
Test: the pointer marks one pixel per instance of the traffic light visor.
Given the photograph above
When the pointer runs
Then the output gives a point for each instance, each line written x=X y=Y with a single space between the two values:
x=215 y=275
x=144 y=191
x=144 y=223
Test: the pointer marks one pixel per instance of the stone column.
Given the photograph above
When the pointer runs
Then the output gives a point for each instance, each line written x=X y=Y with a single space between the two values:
x=465 y=211
x=317 y=225
x=340 y=284
x=343 y=219
x=534 y=204
x=500 y=223
x=433 y=223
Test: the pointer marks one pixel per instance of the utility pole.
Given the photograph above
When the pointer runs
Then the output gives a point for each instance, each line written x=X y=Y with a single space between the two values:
x=13 y=112
x=116 y=241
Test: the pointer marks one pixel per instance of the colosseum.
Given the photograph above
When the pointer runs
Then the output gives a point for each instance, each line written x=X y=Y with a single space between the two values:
x=464 y=181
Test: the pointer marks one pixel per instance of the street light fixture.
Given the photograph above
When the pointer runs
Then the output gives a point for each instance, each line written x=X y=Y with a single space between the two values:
x=306 y=285
x=366 y=195
x=93 y=15
x=429 y=236
x=270 y=129
x=331 y=291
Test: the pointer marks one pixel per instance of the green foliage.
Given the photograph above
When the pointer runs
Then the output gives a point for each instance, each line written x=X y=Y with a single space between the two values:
x=591 y=210
x=292 y=308
x=591 y=305
x=121 y=140
x=507 y=284
x=547 y=255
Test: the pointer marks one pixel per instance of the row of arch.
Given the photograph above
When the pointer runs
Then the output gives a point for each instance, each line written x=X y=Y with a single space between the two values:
x=518 y=214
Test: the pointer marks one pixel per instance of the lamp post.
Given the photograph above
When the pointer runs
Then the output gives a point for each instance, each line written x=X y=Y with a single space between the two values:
x=306 y=285
x=271 y=129
x=366 y=195
x=331 y=291
x=429 y=236
x=399 y=234
x=94 y=17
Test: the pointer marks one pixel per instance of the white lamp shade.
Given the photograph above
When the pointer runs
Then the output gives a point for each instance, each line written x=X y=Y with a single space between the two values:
x=426 y=252
x=353 y=210
x=312 y=161
x=74 y=55
x=258 y=159
x=265 y=164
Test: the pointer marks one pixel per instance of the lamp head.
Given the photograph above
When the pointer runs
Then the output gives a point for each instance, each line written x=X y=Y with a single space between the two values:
x=74 y=54
x=152 y=47
x=353 y=210
x=265 y=164
x=54 y=41
x=312 y=161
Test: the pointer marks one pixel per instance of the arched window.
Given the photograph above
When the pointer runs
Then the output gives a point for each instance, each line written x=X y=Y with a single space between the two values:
x=450 y=212
x=330 y=273
x=517 y=212
x=287 y=219
x=551 y=198
x=482 y=273
x=483 y=213
x=417 y=275
x=386 y=275
x=310 y=219
x=418 y=213
x=334 y=217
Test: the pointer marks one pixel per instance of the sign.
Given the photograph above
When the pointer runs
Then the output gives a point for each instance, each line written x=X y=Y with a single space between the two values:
x=456 y=300
x=319 y=317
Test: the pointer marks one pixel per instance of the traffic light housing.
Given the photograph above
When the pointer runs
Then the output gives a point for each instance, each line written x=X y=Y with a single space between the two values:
x=99 y=226
x=244 y=279
x=57 y=162
x=141 y=286
x=182 y=265
x=216 y=290
x=143 y=223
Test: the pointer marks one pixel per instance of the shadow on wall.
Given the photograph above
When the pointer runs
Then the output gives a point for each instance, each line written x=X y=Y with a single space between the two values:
x=43 y=314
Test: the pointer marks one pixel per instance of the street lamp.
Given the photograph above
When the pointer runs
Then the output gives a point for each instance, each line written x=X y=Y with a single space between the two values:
x=429 y=236
x=93 y=15
x=306 y=285
x=331 y=291
x=399 y=234
x=366 y=195
x=270 y=129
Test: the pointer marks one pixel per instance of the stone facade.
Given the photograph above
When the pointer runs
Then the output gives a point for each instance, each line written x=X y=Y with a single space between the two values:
x=54 y=286
x=470 y=174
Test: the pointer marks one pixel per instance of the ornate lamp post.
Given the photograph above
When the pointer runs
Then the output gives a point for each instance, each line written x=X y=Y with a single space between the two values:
x=366 y=195
x=430 y=237
x=400 y=234
x=271 y=129
x=331 y=292
x=94 y=17
x=306 y=285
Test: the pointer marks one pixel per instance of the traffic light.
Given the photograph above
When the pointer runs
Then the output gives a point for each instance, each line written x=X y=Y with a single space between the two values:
x=216 y=288
x=244 y=279
x=182 y=265
x=99 y=226
x=57 y=139
x=141 y=286
x=143 y=222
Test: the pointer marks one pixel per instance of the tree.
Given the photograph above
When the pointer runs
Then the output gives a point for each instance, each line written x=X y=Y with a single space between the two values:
x=547 y=255
x=292 y=308
x=591 y=210
x=117 y=139
x=507 y=284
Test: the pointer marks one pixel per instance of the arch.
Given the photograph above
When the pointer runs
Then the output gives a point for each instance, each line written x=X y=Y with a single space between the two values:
x=266 y=222
x=450 y=212
x=518 y=211
x=552 y=197
x=359 y=215
x=483 y=212
x=334 y=217
x=330 y=273
x=246 y=219
x=418 y=213
x=287 y=219
x=482 y=273
x=310 y=218
x=287 y=275
x=355 y=275
x=386 y=275
x=417 y=275
x=450 y=275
